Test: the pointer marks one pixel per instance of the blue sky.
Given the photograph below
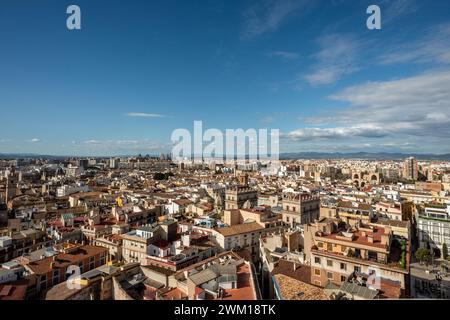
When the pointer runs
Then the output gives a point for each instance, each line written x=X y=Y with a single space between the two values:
x=140 y=69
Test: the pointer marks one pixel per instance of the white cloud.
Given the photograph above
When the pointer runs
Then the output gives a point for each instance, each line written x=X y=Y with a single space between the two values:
x=144 y=115
x=365 y=130
x=406 y=113
x=34 y=140
x=418 y=105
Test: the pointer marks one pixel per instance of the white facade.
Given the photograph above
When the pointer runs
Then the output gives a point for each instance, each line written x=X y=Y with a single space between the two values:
x=67 y=190
x=434 y=227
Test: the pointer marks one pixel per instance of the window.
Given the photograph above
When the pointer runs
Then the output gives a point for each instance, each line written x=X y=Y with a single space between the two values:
x=55 y=276
x=343 y=266
x=329 y=263
x=372 y=255
x=317 y=272
x=357 y=269
x=317 y=260
x=103 y=259
x=91 y=263
x=43 y=282
x=330 y=275
x=343 y=278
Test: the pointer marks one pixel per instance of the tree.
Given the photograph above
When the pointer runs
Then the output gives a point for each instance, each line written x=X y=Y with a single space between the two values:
x=423 y=255
x=444 y=251
x=403 y=260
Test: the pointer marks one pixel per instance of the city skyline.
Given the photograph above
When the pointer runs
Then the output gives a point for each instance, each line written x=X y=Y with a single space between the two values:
x=137 y=71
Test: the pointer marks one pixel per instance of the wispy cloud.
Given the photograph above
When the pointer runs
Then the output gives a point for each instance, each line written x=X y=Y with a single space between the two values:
x=338 y=56
x=285 y=55
x=432 y=47
x=144 y=115
x=267 y=120
x=393 y=9
x=268 y=15
x=34 y=140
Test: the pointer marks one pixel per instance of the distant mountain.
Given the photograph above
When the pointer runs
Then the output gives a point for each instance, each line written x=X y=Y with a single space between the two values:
x=362 y=155
x=283 y=156
x=12 y=156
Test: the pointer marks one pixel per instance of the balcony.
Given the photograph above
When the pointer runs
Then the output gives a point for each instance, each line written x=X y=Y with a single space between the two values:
x=435 y=217
x=358 y=259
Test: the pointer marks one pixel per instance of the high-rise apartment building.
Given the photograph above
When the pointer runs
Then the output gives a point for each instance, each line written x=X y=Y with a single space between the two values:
x=411 y=169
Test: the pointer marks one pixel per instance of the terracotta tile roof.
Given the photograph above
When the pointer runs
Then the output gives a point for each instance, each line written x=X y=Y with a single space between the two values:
x=14 y=291
x=357 y=206
x=174 y=294
x=63 y=260
x=245 y=289
x=182 y=202
x=300 y=272
x=292 y=289
x=240 y=229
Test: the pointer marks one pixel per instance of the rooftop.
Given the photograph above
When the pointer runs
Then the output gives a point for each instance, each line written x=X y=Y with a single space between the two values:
x=292 y=289
x=63 y=260
x=240 y=229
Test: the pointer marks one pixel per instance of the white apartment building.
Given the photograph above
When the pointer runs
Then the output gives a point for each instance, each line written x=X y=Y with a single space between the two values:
x=433 y=226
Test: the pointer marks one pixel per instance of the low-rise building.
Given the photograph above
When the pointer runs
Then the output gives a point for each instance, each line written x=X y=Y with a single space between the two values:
x=300 y=208
x=50 y=271
x=338 y=253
